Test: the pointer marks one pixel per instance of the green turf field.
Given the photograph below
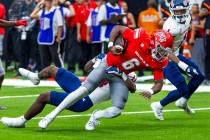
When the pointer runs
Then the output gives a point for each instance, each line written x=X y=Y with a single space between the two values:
x=177 y=125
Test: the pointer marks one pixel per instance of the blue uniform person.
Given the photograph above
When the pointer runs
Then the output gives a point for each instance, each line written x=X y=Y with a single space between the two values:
x=69 y=83
x=50 y=34
x=94 y=31
x=110 y=14
x=178 y=25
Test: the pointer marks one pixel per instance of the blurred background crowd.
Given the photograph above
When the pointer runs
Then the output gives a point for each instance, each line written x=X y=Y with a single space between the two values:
x=78 y=30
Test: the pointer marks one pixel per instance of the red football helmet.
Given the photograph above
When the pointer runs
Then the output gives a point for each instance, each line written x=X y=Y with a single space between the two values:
x=162 y=43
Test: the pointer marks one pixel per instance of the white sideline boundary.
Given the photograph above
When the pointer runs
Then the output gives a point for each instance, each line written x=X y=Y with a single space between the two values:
x=126 y=113
x=27 y=83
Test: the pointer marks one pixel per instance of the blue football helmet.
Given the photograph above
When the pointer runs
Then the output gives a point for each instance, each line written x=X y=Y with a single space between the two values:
x=180 y=10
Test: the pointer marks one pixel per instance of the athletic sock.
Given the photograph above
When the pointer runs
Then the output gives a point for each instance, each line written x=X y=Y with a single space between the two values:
x=69 y=100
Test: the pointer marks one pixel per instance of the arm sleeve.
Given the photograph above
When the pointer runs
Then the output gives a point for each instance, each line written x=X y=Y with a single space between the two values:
x=101 y=13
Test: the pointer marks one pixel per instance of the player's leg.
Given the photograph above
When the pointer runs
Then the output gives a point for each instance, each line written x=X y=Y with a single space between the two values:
x=119 y=96
x=89 y=85
x=173 y=74
x=35 y=78
x=1 y=74
x=1 y=81
x=193 y=84
x=65 y=79
x=35 y=109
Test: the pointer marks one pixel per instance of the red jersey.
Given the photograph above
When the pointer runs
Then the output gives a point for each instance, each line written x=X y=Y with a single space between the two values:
x=137 y=55
x=2 y=16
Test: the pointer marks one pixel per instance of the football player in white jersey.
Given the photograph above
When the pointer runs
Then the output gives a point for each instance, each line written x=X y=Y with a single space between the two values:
x=178 y=25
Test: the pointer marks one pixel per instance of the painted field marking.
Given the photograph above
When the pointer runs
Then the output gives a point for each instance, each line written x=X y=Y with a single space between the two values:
x=127 y=113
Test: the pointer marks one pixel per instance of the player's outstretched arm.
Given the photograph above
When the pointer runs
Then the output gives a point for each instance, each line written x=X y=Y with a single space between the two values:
x=147 y=94
x=186 y=68
x=5 y=23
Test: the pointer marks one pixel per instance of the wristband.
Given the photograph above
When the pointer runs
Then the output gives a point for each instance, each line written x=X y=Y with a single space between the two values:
x=111 y=44
x=183 y=65
x=151 y=91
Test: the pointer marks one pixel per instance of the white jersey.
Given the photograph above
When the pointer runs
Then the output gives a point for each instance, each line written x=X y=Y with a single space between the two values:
x=178 y=31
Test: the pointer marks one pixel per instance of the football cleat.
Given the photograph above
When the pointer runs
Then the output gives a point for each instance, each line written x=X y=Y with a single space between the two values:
x=14 y=122
x=158 y=110
x=92 y=122
x=30 y=75
x=45 y=122
x=182 y=103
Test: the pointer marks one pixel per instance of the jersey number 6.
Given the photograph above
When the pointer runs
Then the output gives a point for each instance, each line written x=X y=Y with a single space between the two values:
x=130 y=64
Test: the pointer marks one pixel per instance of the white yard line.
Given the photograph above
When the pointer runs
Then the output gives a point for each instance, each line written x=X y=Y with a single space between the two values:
x=27 y=83
x=85 y=115
x=127 y=113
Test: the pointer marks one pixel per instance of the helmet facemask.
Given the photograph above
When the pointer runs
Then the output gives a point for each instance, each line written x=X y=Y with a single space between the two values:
x=159 y=52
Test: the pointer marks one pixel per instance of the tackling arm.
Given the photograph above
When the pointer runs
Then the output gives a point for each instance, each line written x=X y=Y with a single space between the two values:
x=186 y=68
x=147 y=94
x=4 y=23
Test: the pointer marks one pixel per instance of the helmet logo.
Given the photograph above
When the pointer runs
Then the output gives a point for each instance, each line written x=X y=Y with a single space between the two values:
x=162 y=37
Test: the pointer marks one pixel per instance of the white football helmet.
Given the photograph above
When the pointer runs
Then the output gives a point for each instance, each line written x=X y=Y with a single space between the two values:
x=180 y=10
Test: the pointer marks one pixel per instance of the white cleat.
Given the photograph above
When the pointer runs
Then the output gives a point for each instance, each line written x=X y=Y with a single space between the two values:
x=158 y=110
x=14 y=122
x=45 y=122
x=182 y=103
x=33 y=77
x=92 y=122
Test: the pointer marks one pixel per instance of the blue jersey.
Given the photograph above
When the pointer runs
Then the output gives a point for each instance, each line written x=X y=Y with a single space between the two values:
x=95 y=27
x=109 y=12
x=46 y=36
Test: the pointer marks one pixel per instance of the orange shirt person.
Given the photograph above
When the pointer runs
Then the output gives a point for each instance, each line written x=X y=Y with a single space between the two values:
x=150 y=19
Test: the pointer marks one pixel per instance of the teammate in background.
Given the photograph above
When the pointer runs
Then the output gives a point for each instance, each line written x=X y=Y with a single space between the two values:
x=178 y=25
x=68 y=82
x=141 y=51
x=5 y=24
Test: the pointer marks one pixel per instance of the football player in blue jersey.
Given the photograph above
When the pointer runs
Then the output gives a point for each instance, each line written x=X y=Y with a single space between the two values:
x=178 y=25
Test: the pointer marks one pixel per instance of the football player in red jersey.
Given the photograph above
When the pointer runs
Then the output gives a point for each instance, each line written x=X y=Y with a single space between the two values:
x=141 y=51
x=5 y=23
